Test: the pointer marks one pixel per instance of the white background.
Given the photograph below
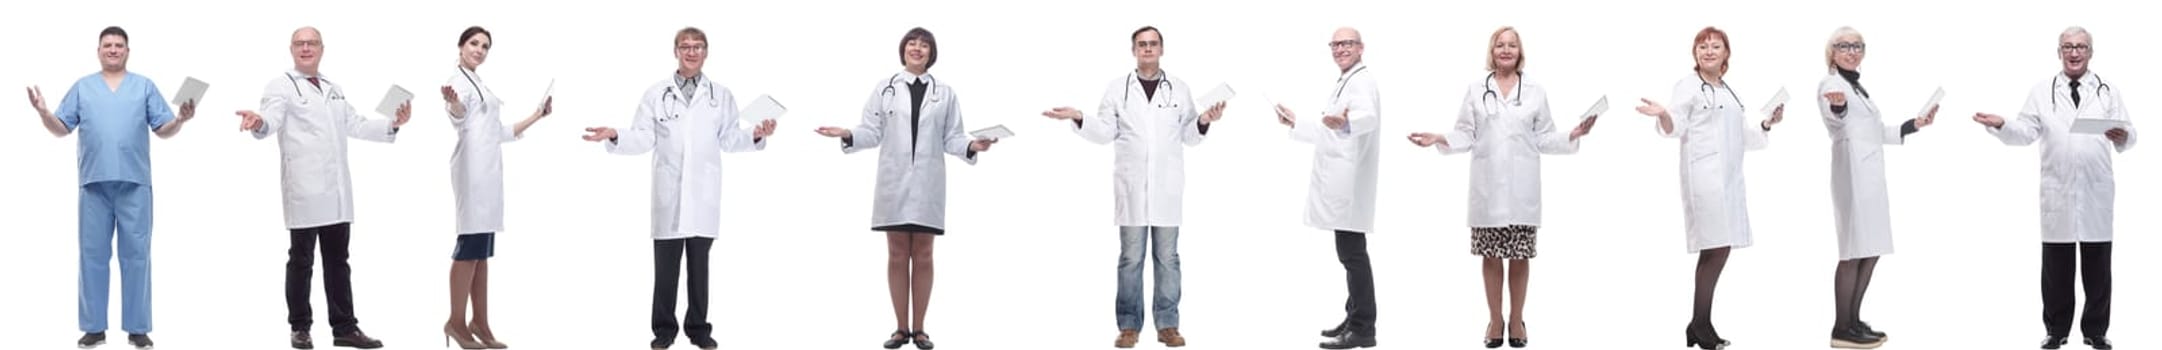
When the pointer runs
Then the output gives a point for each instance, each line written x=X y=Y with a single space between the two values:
x=1029 y=263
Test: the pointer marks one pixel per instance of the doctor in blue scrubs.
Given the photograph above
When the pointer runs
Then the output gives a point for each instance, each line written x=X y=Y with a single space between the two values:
x=116 y=111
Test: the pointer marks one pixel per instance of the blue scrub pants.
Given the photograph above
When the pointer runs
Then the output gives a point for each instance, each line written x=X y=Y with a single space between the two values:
x=108 y=208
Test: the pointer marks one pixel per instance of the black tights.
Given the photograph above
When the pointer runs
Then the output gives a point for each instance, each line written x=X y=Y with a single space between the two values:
x=1710 y=262
x=1850 y=282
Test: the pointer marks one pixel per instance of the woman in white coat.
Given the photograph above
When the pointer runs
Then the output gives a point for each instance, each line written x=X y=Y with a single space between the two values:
x=918 y=121
x=1709 y=118
x=476 y=171
x=1859 y=201
x=1505 y=125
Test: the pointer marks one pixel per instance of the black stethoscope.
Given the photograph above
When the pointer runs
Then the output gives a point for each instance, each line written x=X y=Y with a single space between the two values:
x=476 y=86
x=1711 y=95
x=1340 y=82
x=930 y=90
x=2101 y=88
x=670 y=112
x=1133 y=81
x=295 y=80
x=1516 y=99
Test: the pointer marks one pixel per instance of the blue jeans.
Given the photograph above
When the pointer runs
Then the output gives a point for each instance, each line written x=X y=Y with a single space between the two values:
x=106 y=208
x=1132 y=242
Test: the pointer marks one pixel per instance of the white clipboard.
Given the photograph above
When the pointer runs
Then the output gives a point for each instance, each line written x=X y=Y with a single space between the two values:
x=994 y=132
x=391 y=100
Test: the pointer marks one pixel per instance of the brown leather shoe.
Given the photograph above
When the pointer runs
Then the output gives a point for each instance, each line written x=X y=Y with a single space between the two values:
x=1127 y=338
x=1170 y=337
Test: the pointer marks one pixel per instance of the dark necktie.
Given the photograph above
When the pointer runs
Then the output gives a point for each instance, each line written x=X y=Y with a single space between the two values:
x=2075 y=93
x=313 y=81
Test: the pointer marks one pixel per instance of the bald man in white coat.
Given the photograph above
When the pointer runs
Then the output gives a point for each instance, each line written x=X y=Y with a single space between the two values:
x=1347 y=158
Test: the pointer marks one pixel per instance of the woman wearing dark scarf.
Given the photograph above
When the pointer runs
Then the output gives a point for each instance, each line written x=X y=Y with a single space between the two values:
x=1860 y=204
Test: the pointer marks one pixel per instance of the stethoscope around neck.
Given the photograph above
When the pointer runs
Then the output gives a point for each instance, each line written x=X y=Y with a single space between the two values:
x=2101 y=89
x=1711 y=96
x=332 y=94
x=930 y=89
x=1492 y=99
x=669 y=99
x=1133 y=81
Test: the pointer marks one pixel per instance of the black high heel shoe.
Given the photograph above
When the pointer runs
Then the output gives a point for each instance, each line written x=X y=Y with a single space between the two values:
x=900 y=337
x=1518 y=341
x=1492 y=343
x=1703 y=343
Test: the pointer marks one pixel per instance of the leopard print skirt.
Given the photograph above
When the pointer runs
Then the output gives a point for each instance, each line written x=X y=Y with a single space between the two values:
x=1513 y=242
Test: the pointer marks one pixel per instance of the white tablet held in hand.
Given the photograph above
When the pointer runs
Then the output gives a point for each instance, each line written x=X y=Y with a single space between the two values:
x=1779 y=99
x=391 y=100
x=191 y=91
x=763 y=109
x=994 y=132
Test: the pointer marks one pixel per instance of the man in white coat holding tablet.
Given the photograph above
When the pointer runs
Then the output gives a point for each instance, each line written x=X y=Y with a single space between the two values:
x=2080 y=121
x=1347 y=158
x=312 y=120
x=1149 y=116
x=686 y=121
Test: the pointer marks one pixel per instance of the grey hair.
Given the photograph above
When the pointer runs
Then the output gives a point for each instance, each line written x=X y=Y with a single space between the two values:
x=2076 y=30
x=1830 y=65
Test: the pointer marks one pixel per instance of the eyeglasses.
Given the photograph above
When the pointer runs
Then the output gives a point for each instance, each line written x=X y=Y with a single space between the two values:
x=1343 y=44
x=2075 y=48
x=691 y=48
x=1850 y=47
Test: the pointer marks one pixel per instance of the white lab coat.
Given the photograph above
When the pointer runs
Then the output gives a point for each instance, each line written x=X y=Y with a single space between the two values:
x=476 y=166
x=687 y=135
x=911 y=187
x=1505 y=135
x=312 y=124
x=1149 y=173
x=1860 y=202
x=1714 y=130
x=2079 y=185
x=1347 y=162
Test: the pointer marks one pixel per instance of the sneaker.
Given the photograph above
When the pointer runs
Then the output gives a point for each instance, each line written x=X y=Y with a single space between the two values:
x=90 y=340
x=140 y=341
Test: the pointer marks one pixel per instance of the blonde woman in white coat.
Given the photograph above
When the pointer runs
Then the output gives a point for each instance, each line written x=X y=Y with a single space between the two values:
x=1859 y=200
x=915 y=120
x=1709 y=118
x=1505 y=125
x=477 y=182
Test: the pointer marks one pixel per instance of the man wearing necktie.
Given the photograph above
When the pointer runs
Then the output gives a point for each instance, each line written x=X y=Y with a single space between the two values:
x=2078 y=185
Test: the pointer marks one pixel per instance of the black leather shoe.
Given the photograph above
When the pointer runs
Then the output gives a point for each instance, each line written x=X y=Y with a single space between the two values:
x=356 y=340
x=1349 y=339
x=140 y=341
x=1851 y=337
x=1872 y=331
x=301 y=340
x=90 y=340
x=2099 y=343
x=1493 y=343
x=2054 y=342
x=1518 y=341
x=899 y=338
x=1339 y=330
x=661 y=344
x=923 y=340
x=705 y=344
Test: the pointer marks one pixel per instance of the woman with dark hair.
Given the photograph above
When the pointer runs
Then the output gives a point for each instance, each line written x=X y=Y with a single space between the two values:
x=1709 y=118
x=477 y=182
x=919 y=120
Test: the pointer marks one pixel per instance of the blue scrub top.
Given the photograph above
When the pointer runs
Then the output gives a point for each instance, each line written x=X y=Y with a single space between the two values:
x=113 y=127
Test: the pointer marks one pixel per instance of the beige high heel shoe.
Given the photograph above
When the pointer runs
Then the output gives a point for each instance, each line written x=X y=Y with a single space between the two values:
x=486 y=337
x=465 y=340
